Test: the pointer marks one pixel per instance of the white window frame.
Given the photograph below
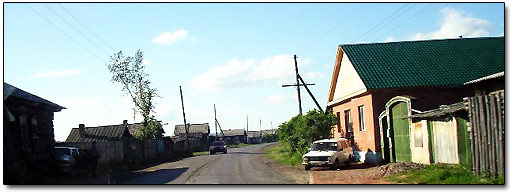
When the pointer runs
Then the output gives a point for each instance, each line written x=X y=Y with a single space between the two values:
x=362 y=126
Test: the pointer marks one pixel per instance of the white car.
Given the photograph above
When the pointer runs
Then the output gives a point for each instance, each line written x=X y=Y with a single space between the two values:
x=328 y=153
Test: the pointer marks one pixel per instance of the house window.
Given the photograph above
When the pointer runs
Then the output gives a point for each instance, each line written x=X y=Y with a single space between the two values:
x=361 y=118
x=348 y=121
x=338 y=117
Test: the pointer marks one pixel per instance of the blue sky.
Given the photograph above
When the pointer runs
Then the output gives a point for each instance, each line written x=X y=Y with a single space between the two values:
x=233 y=55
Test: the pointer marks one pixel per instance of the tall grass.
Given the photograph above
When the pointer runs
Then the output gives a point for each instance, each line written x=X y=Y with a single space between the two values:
x=283 y=154
x=444 y=174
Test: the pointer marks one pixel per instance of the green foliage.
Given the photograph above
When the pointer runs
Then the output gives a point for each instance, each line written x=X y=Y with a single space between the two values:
x=267 y=138
x=151 y=129
x=129 y=71
x=301 y=131
x=444 y=174
x=283 y=154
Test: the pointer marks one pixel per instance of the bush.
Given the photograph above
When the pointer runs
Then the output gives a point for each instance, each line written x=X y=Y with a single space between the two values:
x=298 y=133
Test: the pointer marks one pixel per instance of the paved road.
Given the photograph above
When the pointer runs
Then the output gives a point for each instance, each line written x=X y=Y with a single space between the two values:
x=245 y=165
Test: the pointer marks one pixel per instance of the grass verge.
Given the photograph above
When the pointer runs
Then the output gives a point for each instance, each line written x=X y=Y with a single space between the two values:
x=283 y=154
x=236 y=145
x=443 y=174
x=200 y=153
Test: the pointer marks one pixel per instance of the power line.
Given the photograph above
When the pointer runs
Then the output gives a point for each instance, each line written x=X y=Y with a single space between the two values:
x=85 y=26
x=403 y=22
x=389 y=18
x=83 y=47
x=72 y=26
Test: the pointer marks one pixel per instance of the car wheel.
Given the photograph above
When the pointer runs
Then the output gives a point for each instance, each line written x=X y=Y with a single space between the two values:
x=307 y=167
x=211 y=152
x=225 y=151
x=335 y=166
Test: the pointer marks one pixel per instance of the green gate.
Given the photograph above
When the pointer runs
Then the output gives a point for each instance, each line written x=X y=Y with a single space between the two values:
x=400 y=124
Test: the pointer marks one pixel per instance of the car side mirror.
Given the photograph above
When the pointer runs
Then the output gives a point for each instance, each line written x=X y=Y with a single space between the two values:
x=309 y=149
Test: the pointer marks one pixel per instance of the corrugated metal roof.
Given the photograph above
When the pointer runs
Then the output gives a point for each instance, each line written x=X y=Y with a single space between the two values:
x=441 y=111
x=269 y=131
x=432 y=63
x=194 y=128
x=12 y=91
x=252 y=134
x=233 y=132
x=101 y=133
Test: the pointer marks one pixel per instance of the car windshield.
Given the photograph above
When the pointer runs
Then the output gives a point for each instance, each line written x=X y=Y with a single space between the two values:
x=324 y=146
x=62 y=152
x=218 y=143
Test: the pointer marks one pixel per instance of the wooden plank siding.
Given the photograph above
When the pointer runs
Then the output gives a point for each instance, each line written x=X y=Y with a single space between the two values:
x=464 y=143
x=486 y=117
x=445 y=141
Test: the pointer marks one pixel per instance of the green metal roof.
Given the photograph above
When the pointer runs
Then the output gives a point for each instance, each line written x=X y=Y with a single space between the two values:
x=432 y=63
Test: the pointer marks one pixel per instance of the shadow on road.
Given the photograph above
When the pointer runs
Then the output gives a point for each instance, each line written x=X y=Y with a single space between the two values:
x=161 y=176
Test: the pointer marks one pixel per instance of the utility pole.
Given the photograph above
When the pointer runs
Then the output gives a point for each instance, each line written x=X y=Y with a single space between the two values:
x=184 y=121
x=298 y=87
x=260 y=125
x=297 y=84
x=247 y=126
x=271 y=125
x=215 y=112
x=298 y=77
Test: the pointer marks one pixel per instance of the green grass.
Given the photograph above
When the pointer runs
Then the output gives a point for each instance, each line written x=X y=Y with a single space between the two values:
x=236 y=145
x=200 y=153
x=283 y=154
x=443 y=174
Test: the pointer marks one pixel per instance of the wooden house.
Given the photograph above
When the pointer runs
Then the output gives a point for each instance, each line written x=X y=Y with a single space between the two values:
x=234 y=135
x=373 y=84
x=254 y=137
x=28 y=134
x=198 y=135
x=118 y=132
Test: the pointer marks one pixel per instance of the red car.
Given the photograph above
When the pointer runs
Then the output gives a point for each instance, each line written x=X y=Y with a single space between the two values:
x=218 y=146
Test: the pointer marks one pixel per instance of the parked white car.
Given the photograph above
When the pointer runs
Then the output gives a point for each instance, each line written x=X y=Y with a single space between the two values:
x=328 y=153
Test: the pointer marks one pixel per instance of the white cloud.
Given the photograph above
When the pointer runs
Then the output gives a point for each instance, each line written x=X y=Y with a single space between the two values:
x=146 y=62
x=389 y=39
x=313 y=75
x=170 y=37
x=275 y=99
x=56 y=74
x=277 y=69
x=456 y=23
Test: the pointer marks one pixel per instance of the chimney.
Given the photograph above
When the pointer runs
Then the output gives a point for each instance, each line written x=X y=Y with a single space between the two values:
x=125 y=123
x=81 y=130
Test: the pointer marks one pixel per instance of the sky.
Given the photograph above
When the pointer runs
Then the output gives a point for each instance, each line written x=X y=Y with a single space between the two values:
x=235 y=56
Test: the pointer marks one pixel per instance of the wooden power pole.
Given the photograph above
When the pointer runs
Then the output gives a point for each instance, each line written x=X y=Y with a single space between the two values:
x=184 y=122
x=297 y=77
x=215 y=112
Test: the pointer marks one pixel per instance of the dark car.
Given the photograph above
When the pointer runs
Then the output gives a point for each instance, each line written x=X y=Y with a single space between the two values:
x=65 y=158
x=218 y=146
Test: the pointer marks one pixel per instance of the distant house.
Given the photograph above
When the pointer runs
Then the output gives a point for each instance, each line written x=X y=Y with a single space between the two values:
x=102 y=133
x=198 y=134
x=269 y=135
x=28 y=133
x=254 y=137
x=375 y=87
x=235 y=135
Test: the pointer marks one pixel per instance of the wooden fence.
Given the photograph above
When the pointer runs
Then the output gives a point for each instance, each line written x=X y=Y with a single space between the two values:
x=487 y=123
x=111 y=151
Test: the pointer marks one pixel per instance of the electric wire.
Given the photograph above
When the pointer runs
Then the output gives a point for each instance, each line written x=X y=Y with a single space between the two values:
x=60 y=30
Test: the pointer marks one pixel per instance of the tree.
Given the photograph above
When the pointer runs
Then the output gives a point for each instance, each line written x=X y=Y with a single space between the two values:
x=301 y=131
x=129 y=71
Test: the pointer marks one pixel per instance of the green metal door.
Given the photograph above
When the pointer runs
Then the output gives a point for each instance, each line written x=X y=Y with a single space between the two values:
x=400 y=125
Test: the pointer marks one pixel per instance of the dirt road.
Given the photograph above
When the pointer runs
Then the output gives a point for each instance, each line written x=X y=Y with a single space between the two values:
x=244 y=165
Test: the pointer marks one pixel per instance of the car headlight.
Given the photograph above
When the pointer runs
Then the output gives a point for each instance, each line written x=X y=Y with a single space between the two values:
x=305 y=159
x=329 y=158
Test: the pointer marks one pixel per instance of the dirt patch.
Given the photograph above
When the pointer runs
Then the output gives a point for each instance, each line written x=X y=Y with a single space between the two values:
x=294 y=173
x=360 y=173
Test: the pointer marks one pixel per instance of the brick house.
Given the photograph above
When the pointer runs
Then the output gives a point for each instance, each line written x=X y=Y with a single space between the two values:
x=370 y=81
